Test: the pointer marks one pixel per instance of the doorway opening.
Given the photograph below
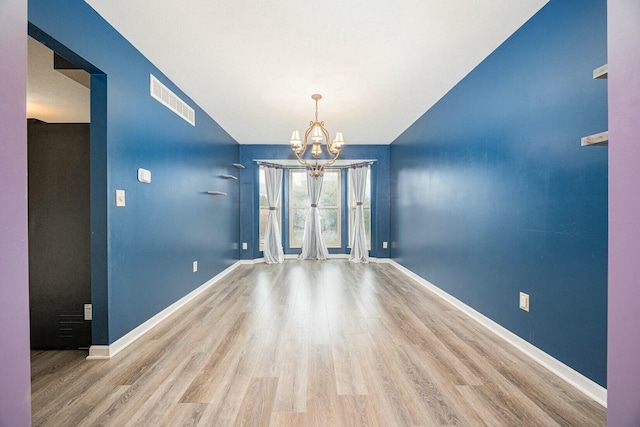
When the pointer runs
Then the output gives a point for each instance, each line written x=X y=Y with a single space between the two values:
x=66 y=122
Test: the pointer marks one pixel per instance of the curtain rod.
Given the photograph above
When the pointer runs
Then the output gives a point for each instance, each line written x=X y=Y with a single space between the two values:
x=299 y=166
x=273 y=165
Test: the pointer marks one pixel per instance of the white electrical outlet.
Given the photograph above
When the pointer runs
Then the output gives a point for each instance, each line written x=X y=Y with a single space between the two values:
x=88 y=312
x=384 y=245
x=244 y=246
x=195 y=266
x=524 y=301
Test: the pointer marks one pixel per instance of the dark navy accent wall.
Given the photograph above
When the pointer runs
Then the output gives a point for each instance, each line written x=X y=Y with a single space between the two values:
x=250 y=191
x=493 y=194
x=165 y=225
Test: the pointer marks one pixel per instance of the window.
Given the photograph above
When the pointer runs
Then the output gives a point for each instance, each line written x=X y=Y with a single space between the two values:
x=367 y=211
x=328 y=207
x=336 y=208
x=264 y=207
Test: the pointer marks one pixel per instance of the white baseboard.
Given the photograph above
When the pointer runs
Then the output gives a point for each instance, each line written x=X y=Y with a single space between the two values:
x=99 y=352
x=579 y=381
x=331 y=256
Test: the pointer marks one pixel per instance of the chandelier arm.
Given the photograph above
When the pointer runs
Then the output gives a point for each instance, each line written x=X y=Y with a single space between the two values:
x=302 y=161
x=327 y=163
x=327 y=138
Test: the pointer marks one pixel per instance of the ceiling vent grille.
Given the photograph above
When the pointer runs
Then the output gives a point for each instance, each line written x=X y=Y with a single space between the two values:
x=171 y=101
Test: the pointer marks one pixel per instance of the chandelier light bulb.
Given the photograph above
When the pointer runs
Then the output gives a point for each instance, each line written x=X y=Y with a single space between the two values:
x=338 y=142
x=295 y=141
x=317 y=136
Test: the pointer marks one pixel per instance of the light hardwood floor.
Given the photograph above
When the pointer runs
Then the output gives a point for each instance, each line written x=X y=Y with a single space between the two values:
x=309 y=343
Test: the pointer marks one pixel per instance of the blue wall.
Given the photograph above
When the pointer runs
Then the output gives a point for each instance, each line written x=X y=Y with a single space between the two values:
x=250 y=190
x=493 y=195
x=142 y=254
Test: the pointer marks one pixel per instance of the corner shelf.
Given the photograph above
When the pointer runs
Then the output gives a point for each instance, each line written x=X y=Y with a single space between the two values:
x=229 y=176
x=216 y=193
x=239 y=165
x=597 y=139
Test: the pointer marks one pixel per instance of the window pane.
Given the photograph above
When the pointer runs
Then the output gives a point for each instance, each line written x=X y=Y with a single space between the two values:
x=298 y=206
x=298 y=195
x=263 y=190
x=298 y=217
x=330 y=220
x=330 y=195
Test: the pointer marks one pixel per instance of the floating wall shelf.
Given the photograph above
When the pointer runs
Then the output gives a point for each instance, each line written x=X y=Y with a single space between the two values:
x=229 y=177
x=239 y=165
x=216 y=193
x=598 y=139
x=601 y=72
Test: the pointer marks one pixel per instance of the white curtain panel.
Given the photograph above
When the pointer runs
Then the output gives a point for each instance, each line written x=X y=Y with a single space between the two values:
x=273 y=253
x=313 y=246
x=359 y=251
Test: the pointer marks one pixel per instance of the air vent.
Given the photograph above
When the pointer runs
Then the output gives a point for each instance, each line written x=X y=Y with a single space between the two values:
x=171 y=101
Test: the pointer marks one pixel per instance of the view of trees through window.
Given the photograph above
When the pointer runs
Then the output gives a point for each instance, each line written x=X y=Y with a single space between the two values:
x=328 y=207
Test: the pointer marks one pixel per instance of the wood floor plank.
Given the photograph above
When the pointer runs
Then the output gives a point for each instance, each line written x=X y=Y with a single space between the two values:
x=201 y=388
x=322 y=397
x=309 y=343
x=257 y=403
x=169 y=391
x=291 y=395
x=288 y=419
x=389 y=408
x=184 y=414
x=349 y=379
x=358 y=411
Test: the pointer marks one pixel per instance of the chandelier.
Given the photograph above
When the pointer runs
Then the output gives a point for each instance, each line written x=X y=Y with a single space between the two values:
x=318 y=135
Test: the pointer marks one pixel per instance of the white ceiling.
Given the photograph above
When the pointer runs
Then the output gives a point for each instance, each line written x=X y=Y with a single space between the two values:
x=253 y=65
x=51 y=96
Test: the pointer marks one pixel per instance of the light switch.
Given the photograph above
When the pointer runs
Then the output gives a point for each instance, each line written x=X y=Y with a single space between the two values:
x=524 y=301
x=119 y=197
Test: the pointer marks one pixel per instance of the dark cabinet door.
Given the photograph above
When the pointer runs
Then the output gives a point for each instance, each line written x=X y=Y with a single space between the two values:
x=59 y=235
